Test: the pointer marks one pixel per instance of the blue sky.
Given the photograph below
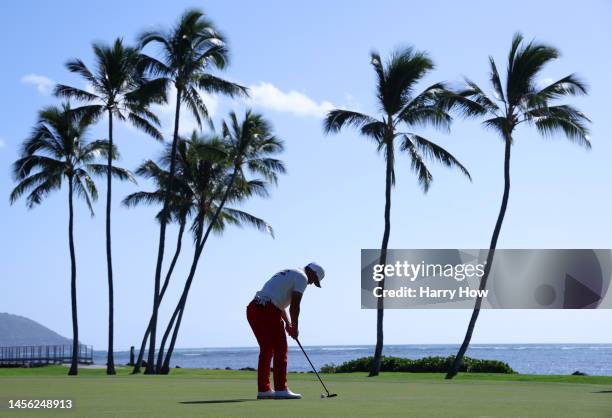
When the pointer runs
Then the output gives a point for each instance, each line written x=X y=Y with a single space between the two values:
x=300 y=59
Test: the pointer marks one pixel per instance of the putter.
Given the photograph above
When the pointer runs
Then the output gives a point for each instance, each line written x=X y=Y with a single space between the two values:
x=329 y=395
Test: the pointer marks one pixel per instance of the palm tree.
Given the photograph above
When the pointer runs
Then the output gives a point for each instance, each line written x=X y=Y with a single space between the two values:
x=400 y=107
x=189 y=50
x=118 y=90
x=522 y=101
x=250 y=145
x=57 y=151
x=180 y=209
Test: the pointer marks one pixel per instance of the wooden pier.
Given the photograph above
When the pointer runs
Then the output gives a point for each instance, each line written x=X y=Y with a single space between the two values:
x=36 y=355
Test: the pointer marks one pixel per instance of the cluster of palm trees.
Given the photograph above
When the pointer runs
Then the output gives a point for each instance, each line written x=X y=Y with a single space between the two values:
x=520 y=100
x=198 y=178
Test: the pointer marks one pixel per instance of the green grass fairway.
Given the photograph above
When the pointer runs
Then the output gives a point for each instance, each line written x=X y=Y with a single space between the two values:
x=209 y=393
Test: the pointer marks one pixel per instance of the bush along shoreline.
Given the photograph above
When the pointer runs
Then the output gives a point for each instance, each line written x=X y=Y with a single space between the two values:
x=423 y=365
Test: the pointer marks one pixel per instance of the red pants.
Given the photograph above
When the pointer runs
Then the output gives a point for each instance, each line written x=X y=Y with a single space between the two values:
x=268 y=327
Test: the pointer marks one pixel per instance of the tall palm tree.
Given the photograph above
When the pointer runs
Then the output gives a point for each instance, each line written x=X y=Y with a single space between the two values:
x=522 y=100
x=251 y=147
x=401 y=108
x=119 y=90
x=55 y=152
x=180 y=208
x=189 y=50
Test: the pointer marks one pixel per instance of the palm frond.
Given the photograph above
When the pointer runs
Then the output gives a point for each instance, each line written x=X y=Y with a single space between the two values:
x=524 y=63
x=473 y=101
x=67 y=92
x=40 y=191
x=212 y=84
x=338 y=118
x=24 y=166
x=78 y=67
x=565 y=119
x=117 y=172
x=196 y=105
x=242 y=217
x=433 y=151
x=567 y=86
x=145 y=126
x=84 y=191
x=499 y=124
x=147 y=92
x=28 y=183
x=144 y=198
x=496 y=80
x=155 y=67
x=426 y=115
x=418 y=166
x=403 y=70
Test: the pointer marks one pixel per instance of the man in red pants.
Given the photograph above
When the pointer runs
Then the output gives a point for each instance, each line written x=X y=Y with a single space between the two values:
x=268 y=319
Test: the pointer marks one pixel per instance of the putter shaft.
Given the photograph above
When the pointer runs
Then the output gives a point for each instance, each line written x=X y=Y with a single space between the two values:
x=329 y=395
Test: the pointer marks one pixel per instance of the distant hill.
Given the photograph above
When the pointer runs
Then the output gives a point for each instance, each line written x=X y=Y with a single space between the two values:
x=18 y=330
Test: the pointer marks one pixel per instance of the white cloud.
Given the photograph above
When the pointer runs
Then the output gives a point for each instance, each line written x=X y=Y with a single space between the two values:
x=43 y=84
x=271 y=97
x=262 y=94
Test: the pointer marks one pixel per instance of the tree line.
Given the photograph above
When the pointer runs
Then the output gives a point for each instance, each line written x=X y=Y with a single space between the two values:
x=199 y=178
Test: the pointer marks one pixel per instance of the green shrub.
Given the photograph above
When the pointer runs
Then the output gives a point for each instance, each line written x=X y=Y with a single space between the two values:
x=422 y=365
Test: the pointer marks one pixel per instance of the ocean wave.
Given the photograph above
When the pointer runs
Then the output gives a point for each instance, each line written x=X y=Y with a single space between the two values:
x=340 y=348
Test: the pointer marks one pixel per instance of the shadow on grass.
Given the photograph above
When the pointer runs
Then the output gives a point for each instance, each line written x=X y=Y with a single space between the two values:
x=216 y=401
x=603 y=391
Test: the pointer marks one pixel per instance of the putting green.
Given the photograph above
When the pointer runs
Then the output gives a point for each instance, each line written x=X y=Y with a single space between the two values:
x=204 y=393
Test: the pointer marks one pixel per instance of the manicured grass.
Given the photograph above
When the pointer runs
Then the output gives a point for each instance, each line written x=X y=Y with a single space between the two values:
x=220 y=393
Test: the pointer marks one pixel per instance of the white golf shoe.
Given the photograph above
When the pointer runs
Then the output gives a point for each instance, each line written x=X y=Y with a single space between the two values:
x=287 y=394
x=266 y=395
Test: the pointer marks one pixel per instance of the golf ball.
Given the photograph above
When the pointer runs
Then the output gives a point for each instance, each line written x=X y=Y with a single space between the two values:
x=322 y=396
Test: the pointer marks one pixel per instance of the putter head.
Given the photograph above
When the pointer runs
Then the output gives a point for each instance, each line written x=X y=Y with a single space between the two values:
x=331 y=395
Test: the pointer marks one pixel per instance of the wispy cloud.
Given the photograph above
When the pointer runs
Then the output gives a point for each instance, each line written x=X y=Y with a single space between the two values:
x=43 y=84
x=262 y=95
x=268 y=96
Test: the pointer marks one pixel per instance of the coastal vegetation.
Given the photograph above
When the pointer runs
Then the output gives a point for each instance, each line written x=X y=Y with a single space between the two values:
x=423 y=365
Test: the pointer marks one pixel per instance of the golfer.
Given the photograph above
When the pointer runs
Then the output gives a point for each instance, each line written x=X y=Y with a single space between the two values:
x=269 y=321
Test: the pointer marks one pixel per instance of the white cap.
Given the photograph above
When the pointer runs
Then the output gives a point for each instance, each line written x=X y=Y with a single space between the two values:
x=318 y=270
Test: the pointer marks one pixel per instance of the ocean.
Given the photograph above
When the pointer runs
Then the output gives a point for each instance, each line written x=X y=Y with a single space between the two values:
x=562 y=359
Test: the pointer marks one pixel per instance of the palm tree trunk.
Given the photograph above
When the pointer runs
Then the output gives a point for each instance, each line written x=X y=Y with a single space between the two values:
x=73 y=295
x=163 y=365
x=177 y=252
x=483 y=281
x=162 y=345
x=375 y=366
x=150 y=369
x=183 y=301
x=165 y=368
x=110 y=360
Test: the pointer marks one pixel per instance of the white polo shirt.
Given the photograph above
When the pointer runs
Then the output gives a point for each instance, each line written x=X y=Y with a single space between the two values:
x=279 y=288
